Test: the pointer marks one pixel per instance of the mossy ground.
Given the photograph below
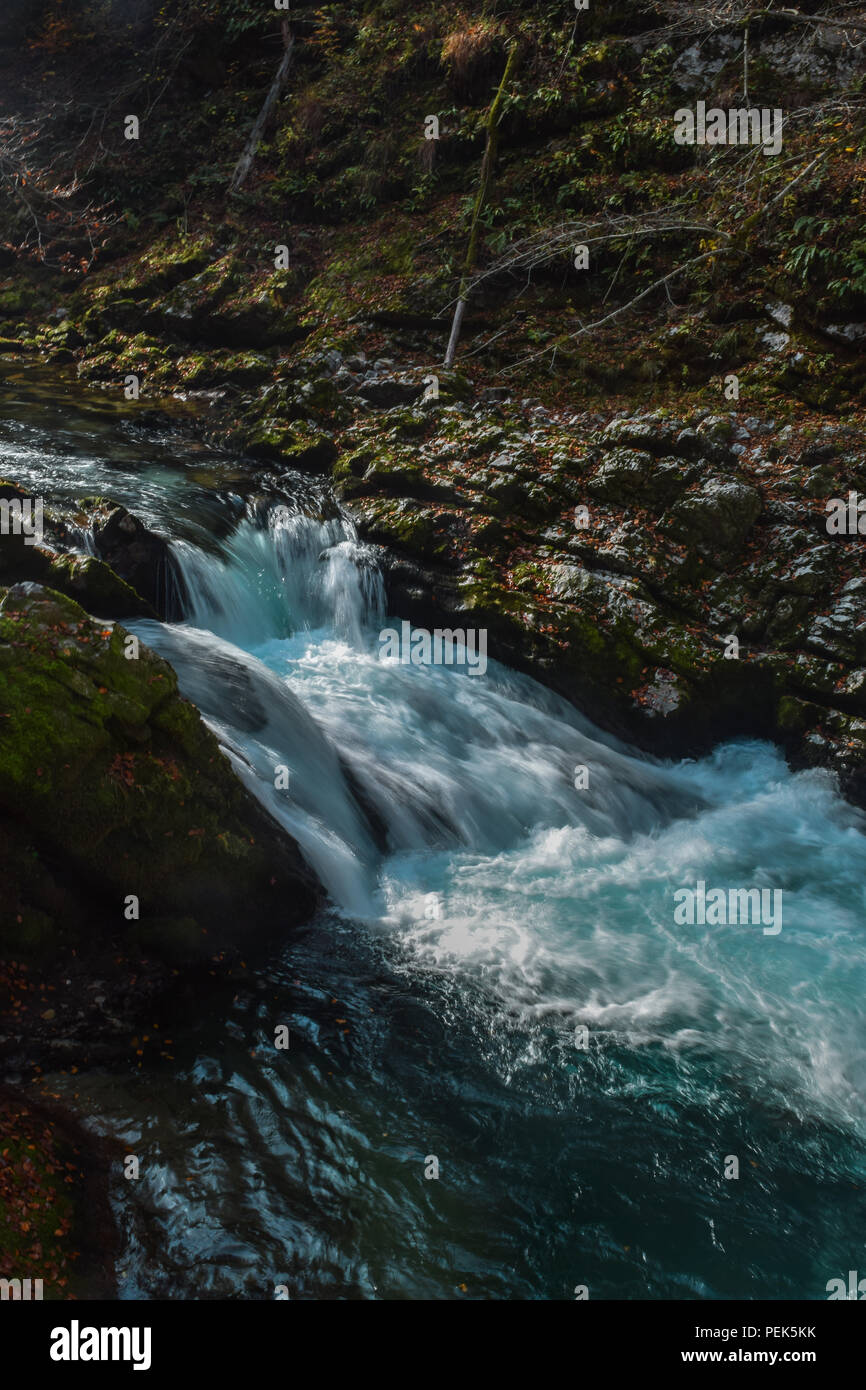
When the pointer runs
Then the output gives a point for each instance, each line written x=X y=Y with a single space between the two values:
x=376 y=217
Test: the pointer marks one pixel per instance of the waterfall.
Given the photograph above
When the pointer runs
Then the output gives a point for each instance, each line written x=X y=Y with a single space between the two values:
x=495 y=864
x=502 y=877
x=286 y=573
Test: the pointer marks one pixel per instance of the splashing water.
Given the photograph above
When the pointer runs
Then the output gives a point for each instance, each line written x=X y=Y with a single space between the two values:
x=484 y=910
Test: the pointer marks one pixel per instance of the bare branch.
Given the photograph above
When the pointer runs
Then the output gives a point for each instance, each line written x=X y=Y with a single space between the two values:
x=624 y=308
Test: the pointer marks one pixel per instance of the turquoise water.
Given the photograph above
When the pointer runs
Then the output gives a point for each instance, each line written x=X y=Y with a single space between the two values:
x=483 y=911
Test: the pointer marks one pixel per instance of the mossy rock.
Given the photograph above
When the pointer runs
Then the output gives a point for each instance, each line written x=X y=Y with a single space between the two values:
x=389 y=472
x=315 y=400
x=634 y=476
x=83 y=577
x=141 y=557
x=214 y=368
x=96 y=587
x=405 y=526
x=300 y=447
x=165 y=264
x=123 y=790
x=17 y=301
x=794 y=715
x=716 y=519
x=188 y=310
x=123 y=313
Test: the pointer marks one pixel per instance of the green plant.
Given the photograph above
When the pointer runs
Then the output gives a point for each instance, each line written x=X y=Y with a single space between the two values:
x=853 y=262
x=808 y=255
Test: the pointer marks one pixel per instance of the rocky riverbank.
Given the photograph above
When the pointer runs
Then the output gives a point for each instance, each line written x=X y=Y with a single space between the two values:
x=677 y=574
x=627 y=482
x=136 y=873
x=643 y=481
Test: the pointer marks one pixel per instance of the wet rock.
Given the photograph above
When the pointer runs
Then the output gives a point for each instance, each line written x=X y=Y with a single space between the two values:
x=112 y=782
x=96 y=587
x=83 y=577
x=140 y=556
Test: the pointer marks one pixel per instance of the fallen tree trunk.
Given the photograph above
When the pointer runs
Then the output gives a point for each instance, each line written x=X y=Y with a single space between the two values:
x=480 y=200
x=244 y=164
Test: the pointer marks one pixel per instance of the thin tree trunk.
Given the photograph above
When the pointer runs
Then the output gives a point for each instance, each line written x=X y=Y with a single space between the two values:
x=480 y=200
x=244 y=164
x=456 y=325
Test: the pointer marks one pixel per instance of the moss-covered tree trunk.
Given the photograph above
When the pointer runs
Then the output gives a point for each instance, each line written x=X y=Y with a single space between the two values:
x=480 y=200
x=245 y=163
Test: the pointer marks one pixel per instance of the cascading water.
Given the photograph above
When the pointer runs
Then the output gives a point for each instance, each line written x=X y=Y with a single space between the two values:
x=560 y=900
x=485 y=909
x=289 y=572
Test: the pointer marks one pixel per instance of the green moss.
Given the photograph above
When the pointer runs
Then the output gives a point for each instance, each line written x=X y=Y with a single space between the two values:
x=300 y=446
x=95 y=585
x=792 y=715
x=165 y=263
x=415 y=531
x=108 y=768
x=20 y=299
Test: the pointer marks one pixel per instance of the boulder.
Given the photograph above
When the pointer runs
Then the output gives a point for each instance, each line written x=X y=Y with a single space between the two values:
x=140 y=556
x=112 y=789
x=387 y=392
x=83 y=577
x=629 y=476
x=716 y=519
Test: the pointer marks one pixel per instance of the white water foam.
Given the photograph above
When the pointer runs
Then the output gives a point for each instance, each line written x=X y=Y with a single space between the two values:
x=556 y=902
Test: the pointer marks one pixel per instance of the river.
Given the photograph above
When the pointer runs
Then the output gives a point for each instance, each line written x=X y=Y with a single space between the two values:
x=483 y=912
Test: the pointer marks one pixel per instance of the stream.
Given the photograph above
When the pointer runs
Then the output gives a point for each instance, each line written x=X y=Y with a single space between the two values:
x=482 y=912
